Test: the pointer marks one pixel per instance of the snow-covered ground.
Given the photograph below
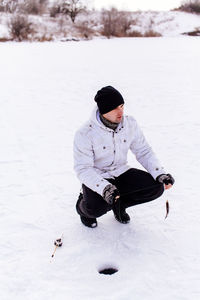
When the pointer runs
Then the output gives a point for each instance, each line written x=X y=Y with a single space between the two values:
x=47 y=92
x=167 y=23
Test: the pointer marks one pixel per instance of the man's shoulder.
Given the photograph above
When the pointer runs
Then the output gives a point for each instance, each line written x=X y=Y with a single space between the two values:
x=129 y=120
x=84 y=129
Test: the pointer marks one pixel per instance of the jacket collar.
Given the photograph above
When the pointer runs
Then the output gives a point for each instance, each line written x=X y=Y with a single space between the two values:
x=95 y=119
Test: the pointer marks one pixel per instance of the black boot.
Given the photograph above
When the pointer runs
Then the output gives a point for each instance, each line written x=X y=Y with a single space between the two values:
x=89 y=222
x=120 y=213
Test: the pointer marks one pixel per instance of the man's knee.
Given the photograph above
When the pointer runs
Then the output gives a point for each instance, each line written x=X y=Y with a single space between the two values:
x=160 y=191
x=155 y=192
x=93 y=205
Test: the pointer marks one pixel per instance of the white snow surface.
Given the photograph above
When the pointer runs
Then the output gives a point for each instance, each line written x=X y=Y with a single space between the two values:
x=47 y=92
x=167 y=23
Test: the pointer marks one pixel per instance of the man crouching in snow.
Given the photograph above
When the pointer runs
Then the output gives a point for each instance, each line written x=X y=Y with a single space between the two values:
x=100 y=161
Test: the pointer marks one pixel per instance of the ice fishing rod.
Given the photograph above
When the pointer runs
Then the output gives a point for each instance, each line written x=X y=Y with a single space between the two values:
x=58 y=243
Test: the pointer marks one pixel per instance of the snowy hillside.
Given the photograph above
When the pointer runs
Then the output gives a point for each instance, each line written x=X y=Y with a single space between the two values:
x=88 y=26
x=171 y=23
x=47 y=92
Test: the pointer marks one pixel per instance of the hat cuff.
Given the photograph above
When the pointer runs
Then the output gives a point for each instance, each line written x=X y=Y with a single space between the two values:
x=103 y=109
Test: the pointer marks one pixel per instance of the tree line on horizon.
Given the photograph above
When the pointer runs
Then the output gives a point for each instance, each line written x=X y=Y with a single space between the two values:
x=113 y=22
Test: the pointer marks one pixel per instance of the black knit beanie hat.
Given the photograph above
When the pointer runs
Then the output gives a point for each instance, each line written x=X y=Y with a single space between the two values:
x=107 y=99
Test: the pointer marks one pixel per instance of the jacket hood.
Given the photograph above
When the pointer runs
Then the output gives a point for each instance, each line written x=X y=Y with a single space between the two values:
x=95 y=119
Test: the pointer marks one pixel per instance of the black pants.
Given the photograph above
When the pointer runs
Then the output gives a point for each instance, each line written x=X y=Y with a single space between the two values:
x=135 y=187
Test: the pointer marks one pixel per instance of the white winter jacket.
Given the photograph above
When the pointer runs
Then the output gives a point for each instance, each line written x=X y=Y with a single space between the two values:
x=100 y=152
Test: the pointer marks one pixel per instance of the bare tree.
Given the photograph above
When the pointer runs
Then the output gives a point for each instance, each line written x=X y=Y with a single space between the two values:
x=24 y=6
x=9 y=6
x=55 y=9
x=72 y=8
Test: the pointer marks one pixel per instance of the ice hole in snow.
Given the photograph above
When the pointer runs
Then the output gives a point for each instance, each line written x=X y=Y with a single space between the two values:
x=108 y=270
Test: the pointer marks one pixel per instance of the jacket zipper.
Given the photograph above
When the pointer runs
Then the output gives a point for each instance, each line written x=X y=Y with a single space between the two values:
x=113 y=134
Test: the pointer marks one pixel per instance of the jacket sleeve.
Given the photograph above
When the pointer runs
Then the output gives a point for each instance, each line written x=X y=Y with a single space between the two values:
x=84 y=164
x=144 y=154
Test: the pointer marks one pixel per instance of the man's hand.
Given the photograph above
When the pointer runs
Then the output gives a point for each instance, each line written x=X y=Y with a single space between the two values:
x=110 y=194
x=166 y=179
x=167 y=186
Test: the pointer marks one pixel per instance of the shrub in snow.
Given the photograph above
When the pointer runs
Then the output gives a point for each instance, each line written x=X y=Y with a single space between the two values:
x=152 y=33
x=115 y=23
x=55 y=9
x=195 y=32
x=9 y=6
x=148 y=33
x=192 y=6
x=34 y=7
x=20 y=27
x=135 y=33
x=85 y=29
x=1 y=6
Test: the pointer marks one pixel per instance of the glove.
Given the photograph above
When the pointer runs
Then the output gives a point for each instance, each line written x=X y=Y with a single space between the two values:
x=166 y=179
x=110 y=193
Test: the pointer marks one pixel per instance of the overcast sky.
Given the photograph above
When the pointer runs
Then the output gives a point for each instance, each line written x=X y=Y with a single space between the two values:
x=138 y=4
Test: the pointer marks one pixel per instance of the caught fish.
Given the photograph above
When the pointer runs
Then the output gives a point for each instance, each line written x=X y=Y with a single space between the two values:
x=167 y=209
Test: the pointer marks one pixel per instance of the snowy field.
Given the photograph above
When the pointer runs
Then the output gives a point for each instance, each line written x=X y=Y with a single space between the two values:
x=47 y=92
